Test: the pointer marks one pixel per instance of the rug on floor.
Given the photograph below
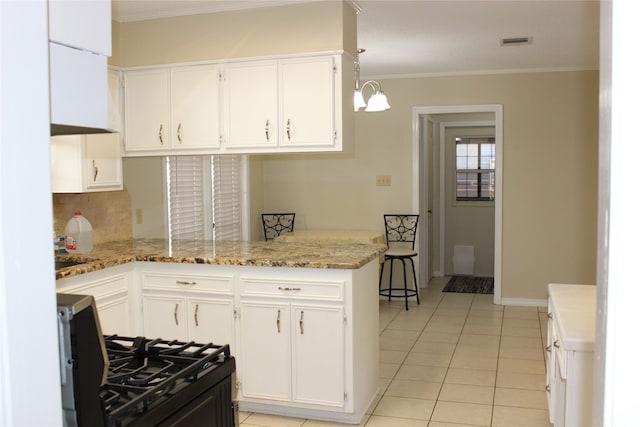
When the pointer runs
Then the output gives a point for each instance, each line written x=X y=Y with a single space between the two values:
x=470 y=285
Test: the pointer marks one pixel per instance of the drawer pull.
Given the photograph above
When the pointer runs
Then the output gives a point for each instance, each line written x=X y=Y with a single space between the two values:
x=550 y=315
x=288 y=289
x=195 y=314
x=185 y=282
x=160 y=137
x=548 y=388
x=278 y=321
x=556 y=344
x=302 y=323
x=549 y=348
x=175 y=314
x=266 y=130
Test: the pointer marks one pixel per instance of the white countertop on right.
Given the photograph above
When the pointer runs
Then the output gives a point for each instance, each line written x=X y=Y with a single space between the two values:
x=574 y=309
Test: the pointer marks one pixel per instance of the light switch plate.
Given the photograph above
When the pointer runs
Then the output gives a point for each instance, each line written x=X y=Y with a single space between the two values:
x=383 y=180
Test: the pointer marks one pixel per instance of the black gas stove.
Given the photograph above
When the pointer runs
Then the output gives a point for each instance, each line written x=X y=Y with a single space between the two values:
x=158 y=382
x=119 y=381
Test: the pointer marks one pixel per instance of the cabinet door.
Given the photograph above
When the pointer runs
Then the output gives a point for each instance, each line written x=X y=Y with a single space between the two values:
x=114 y=317
x=266 y=351
x=308 y=97
x=195 y=107
x=103 y=162
x=164 y=317
x=251 y=90
x=211 y=320
x=115 y=100
x=147 y=111
x=318 y=355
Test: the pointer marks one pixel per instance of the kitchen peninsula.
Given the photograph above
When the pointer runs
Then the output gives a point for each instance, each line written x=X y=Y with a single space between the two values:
x=301 y=317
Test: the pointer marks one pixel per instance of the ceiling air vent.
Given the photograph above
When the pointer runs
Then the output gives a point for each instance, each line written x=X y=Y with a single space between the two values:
x=512 y=41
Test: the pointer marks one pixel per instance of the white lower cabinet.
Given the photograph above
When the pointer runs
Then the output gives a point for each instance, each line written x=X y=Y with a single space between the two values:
x=110 y=289
x=293 y=352
x=570 y=341
x=187 y=303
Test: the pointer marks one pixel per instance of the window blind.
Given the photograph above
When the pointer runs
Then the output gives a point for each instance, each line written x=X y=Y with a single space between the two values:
x=226 y=197
x=185 y=190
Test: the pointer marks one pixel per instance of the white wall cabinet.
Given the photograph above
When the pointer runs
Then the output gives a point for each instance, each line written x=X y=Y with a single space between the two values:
x=86 y=163
x=179 y=302
x=172 y=110
x=283 y=105
x=570 y=342
x=111 y=291
x=116 y=117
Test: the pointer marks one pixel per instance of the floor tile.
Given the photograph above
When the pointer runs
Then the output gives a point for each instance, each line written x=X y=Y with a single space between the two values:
x=388 y=370
x=392 y=356
x=522 y=366
x=519 y=417
x=422 y=373
x=465 y=361
x=414 y=389
x=471 y=377
x=463 y=413
x=522 y=353
x=518 y=380
x=378 y=421
x=404 y=407
x=439 y=424
x=265 y=420
x=466 y=393
x=428 y=359
x=521 y=398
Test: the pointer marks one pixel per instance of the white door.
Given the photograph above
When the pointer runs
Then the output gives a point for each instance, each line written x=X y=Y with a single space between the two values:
x=266 y=350
x=318 y=355
x=252 y=104
x=307 y=96
x=195 y=107
x=164 y=317
x=147 y=109
x=211 y=320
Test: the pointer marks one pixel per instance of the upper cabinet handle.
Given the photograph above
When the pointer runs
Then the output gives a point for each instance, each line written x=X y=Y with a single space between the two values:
x=266 y=130
x=289 y=129
x=160 y=137
x=95 y=171
x=179 y=133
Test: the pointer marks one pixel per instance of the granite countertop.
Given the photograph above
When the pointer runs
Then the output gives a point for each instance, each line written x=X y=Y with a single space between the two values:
x=343 y=236
x=333 y=255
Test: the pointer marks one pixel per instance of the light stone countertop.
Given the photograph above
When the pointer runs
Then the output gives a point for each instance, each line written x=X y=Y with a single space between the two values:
x=312 y=254
x=343 y=236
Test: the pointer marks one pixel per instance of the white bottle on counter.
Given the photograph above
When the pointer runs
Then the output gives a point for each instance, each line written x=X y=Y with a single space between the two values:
x=79 y=235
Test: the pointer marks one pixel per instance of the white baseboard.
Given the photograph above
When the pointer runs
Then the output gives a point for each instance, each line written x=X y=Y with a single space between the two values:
x=524 y=302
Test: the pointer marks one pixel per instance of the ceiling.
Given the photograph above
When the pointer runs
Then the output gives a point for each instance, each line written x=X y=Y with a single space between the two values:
x=440 y=37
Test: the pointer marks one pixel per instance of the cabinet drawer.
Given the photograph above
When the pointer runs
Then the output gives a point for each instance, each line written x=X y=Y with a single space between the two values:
x=187 y=282
x=102 y=288
x=292 y=289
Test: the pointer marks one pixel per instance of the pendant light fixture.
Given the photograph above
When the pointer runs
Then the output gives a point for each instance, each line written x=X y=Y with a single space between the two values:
x=377 y=100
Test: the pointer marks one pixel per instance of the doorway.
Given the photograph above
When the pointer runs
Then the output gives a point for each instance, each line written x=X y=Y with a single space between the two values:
x=429 y=127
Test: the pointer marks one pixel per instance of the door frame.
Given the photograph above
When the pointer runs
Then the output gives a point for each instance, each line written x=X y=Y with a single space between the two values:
x=421 y=183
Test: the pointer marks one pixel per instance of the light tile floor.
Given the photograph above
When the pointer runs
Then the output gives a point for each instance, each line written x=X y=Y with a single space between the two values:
x=455 y=360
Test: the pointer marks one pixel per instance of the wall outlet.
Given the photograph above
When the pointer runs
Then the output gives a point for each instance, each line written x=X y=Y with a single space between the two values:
x=383 y=180
x=138 y=216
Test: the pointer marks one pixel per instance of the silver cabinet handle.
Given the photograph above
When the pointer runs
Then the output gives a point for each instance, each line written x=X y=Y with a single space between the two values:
x=548 y=388
x=185 y=282
x=278 y=321
x=280 y=288
x=266 y=130
x=550 y=315
x=556 y=344
x=160 y=137
x=179 y=133
x=289 y=129
x=549 y=348
x=95 y=171
x=302 y=323
x=175 y=314
x=195 y=314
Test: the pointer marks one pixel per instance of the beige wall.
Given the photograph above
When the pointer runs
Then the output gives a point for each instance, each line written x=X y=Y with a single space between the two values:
x=297 y=28
x=550 y=171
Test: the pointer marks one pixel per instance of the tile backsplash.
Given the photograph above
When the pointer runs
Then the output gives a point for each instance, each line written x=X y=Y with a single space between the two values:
x=109 y=213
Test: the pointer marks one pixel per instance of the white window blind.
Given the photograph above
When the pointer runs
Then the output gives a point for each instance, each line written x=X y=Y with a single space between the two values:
x=203 y=191
x=226 y=197
x=185 y=191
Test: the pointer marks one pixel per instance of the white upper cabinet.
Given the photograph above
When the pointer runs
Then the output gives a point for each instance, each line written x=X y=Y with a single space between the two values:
x=171 y=110
x=115 y=100
x=251 y=98
x=284 y=105
x=308 y=102
x=86 y=163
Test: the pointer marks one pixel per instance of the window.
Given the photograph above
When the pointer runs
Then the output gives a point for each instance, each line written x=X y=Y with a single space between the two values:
x=475 y=169
x=203 y=191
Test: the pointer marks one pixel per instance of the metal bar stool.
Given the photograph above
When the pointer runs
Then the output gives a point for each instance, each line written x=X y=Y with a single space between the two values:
x=277 y=223
x=401 y=237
